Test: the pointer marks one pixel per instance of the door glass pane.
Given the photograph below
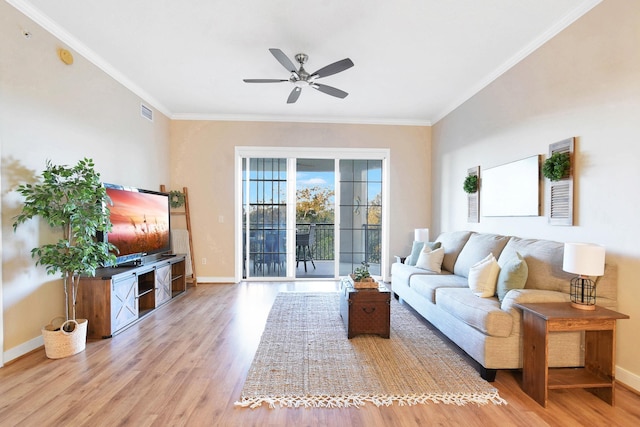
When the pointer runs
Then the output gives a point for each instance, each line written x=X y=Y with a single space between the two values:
x=361 y=214
x=315 y=218
x=266 y=236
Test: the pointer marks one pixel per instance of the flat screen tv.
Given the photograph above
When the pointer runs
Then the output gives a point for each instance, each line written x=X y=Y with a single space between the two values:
x=141 y=222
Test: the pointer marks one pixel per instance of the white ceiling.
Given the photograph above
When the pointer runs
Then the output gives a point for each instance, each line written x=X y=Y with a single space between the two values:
x=415 y=60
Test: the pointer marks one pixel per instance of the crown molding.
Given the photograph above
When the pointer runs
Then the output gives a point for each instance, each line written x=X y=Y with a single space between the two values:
x=299 y=119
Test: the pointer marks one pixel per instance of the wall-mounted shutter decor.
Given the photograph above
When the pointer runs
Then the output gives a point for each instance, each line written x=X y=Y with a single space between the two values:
x=473 y=199
x=561 y=191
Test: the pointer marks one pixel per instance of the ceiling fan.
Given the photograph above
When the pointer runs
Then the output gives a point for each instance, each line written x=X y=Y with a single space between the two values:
x=301 y=78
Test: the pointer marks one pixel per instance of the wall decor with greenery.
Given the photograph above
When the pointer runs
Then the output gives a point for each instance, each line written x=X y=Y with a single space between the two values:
x=176 y=199
x=557 y=166
x=472 y=188
x=560 y=171
x=470 y=184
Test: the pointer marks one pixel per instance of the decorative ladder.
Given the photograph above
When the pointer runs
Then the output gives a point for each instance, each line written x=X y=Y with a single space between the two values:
x=193 y=279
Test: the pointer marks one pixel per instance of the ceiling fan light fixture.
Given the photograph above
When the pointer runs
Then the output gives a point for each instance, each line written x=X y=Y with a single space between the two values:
x=301 y=78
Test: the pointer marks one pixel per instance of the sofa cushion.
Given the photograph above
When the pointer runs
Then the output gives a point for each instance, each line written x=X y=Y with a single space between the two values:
x=401 y=273
x=431 y=259
x=417 y=248
x=477 y=247
x=483 y=276
x=426 y=284
x=452 y=242
x=544 y=262
x=484 y=314
x=513 y=275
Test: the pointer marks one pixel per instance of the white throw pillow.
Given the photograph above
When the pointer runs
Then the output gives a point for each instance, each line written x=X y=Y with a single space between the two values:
x=431 y=259
x=483 y=276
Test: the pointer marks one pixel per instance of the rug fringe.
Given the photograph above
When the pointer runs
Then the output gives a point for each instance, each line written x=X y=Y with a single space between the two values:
x=378 y=400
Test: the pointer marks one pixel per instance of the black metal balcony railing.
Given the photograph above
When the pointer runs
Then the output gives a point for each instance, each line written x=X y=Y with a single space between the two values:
x=322 y=248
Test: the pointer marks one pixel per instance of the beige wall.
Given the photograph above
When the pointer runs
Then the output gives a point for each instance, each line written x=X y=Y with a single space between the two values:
x=584 y=83
x=202 y=159
x=49 y=110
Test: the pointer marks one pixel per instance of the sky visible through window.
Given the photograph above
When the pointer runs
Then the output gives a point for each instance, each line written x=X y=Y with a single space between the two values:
x=313 y=179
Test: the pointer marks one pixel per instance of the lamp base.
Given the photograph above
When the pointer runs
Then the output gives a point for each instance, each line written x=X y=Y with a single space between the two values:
x=583 y=306
x=583 y=293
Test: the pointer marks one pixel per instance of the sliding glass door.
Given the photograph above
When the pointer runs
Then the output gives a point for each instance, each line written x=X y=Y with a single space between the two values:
x=309 y=214
x=360 y=215
x=265 y=217
x=315 y=218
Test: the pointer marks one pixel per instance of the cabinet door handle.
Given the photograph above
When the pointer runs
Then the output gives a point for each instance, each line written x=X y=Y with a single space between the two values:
x=368 y=310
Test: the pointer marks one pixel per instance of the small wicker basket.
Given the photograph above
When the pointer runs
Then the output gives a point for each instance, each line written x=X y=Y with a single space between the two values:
x=366 y=283
x=59 y=343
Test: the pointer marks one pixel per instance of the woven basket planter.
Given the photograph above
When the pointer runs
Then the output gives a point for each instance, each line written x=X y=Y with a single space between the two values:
x=366 y=283
x=59 y=343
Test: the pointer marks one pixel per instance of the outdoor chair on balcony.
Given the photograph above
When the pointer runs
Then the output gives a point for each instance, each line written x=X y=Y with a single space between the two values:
x=273 y=255
x=304 y=243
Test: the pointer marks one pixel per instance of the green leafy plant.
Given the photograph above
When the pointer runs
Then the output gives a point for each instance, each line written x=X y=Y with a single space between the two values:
x=74 y=200
x=470 y=184
x=176 y=199
x=557 y=166
x=361 y=272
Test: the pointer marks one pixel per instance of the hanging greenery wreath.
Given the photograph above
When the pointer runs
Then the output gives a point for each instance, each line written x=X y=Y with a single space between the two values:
x=176 y=199
x=557 y=166
x=471 y=184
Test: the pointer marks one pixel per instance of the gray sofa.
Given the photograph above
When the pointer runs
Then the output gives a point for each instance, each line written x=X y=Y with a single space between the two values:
x=487 y=329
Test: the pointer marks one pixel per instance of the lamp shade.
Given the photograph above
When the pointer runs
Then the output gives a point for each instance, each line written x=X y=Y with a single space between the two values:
x=584 y=259
x=421 y=234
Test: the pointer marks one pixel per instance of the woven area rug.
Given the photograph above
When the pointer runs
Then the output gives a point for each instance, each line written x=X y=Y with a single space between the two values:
x=304 y=359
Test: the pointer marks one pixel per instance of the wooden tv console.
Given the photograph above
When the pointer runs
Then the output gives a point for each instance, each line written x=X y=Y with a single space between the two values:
x=118 y=297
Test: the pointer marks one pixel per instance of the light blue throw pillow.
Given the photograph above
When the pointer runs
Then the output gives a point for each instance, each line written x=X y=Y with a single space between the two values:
x=513 y=275
x=415 y=252
x=417 y=248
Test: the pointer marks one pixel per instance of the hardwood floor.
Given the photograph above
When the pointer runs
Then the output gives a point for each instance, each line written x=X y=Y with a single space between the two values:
x=185 y=364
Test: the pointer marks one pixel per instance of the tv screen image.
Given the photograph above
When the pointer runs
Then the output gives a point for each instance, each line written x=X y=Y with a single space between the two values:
x=141 y=222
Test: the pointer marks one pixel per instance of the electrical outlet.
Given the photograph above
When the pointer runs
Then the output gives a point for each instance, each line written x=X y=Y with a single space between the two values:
x=204 y=261
x=220 y=218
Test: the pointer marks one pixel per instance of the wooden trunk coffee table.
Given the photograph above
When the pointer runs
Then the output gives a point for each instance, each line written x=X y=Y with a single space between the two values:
x=365 y=311
x=598 y=374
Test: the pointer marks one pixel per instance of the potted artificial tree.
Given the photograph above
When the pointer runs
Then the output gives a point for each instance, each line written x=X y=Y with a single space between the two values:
x=74 y=200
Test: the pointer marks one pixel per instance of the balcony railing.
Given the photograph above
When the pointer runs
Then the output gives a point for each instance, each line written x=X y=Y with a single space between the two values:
x=323 y=247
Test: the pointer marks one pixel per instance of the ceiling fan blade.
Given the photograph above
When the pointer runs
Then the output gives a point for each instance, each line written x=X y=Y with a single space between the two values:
x=264 y=80
x=334 y=68
x=283 y=59
x=294 y=95
x=329 y=90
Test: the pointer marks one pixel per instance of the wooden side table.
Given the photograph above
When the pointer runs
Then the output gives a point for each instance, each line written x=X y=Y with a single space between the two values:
x=598 y=374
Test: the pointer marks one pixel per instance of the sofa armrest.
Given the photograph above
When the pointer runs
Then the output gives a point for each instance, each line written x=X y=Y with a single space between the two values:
x=516 y=296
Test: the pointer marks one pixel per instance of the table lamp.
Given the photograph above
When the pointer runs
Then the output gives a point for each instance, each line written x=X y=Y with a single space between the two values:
x=583 y=259
x=421 y=234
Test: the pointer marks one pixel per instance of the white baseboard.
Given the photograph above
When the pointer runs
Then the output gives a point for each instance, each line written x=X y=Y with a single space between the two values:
x=213 y=279
x=629 y=379
x=22 y=349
